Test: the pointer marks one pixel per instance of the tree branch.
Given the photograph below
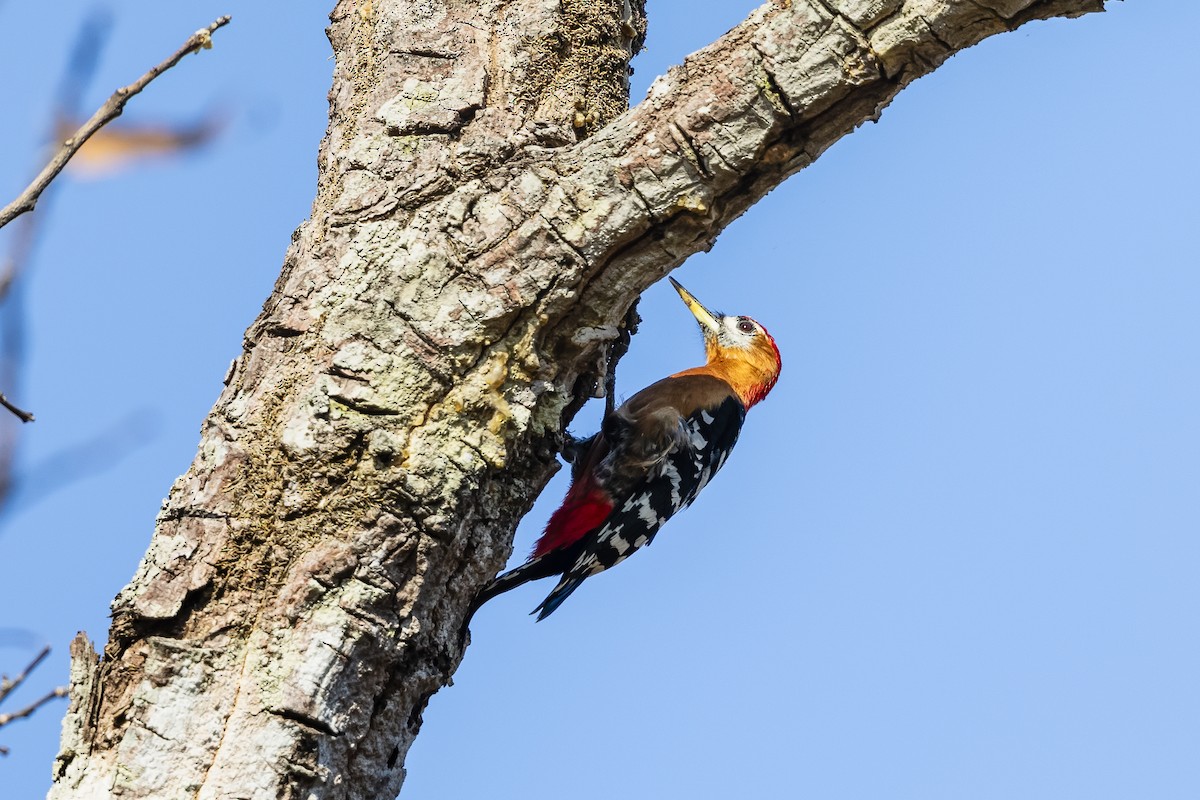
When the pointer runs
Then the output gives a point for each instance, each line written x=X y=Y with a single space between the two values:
x=24 y=416
x=112 y=108
x=718 y=132
x=8 y=686
x=28 y=710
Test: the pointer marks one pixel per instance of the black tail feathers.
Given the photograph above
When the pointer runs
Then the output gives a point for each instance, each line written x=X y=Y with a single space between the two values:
x=556 y=597
x=532 y=570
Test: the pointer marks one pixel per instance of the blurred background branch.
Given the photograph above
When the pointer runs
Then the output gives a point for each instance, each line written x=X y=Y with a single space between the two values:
x=112 y=108
x=93 y=149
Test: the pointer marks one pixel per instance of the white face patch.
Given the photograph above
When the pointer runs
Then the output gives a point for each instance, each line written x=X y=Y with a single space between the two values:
x=738 y=332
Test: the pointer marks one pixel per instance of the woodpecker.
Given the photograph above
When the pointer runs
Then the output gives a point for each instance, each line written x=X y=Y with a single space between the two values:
x=650 y=459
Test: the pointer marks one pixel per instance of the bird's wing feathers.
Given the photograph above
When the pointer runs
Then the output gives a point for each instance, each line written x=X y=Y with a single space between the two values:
x=652 y=460
x=639 y=446
x=671 y=483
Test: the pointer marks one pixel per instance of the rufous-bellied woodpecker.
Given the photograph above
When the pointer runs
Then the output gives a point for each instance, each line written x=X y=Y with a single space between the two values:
x=650 y=459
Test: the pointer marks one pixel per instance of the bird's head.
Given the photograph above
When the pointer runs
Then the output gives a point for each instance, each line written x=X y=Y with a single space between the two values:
x=739 y=350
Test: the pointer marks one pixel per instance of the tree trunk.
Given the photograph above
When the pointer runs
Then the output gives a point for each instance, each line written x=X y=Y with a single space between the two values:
x=486 y=213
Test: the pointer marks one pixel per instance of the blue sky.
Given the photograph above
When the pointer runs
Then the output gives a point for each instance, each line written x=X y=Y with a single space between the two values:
x=955 y=552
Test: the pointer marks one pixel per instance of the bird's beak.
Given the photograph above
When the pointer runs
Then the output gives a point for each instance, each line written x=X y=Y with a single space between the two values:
x=707 y=319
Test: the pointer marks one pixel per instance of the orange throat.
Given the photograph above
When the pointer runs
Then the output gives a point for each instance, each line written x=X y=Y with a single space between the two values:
x=751 y=373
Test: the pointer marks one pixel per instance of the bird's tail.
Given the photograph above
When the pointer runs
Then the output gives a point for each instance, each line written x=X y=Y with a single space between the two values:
x=556 y=597
x=531 y=570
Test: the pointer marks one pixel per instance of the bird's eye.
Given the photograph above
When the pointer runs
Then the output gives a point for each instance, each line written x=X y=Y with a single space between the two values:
x=745 y=326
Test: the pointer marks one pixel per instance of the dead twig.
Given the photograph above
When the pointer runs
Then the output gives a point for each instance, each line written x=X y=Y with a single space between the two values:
x=112 y=108
x=8 y=686
x=24 y=416
x=28 y=710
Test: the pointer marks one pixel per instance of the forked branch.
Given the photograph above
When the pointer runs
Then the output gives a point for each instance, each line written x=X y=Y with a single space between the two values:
x=8 y=686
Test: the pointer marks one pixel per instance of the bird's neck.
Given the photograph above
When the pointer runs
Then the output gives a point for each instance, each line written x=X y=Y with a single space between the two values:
x=749 y=379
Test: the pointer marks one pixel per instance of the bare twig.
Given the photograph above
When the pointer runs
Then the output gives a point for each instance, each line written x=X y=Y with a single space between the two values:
x=112 y=108
x=24 y=416
x=28 y=710
x=7 y=686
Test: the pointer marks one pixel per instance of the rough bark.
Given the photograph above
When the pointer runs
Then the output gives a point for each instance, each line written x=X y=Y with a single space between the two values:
x=485 y=215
